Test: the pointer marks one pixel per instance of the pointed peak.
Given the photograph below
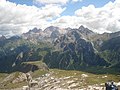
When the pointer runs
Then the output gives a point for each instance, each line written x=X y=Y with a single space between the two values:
x=81 y=27
x=51 y=28
x=2 y=37
x=85 y=30
x=35 y=30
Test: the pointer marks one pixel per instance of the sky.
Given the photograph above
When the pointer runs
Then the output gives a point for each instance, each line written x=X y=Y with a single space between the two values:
x=19 y=16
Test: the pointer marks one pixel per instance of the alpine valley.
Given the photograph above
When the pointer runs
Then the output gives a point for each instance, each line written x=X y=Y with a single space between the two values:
x=78 y=49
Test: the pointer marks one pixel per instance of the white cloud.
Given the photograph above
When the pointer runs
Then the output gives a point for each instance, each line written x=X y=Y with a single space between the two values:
x=2 y=0
x=104 y=19
x=62 y=2
x=66 y=21
x=52 y=11
x=77 y=1
x=16 y=19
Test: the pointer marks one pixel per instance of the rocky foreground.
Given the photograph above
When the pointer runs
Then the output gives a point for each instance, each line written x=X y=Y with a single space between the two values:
x=50 y=82
x=64 y=80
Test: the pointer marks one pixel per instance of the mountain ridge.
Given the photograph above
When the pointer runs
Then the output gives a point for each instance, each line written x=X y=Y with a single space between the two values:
x=62 y=48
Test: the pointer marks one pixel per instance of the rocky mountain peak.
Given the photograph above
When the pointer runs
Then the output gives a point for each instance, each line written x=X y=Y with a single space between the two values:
x=81 y=27
x=35 y=30
x=51 y=28
x=84 y=30
x=2 y=38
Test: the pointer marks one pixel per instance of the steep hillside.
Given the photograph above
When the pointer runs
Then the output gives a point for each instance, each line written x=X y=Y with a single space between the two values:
x=110 y=50
x=73 y=51
x=62 y=48
x=15 y=50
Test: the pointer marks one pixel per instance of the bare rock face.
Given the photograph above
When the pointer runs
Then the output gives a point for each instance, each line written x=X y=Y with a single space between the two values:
x=8 y=78
x=2 y=38
x=74 y=50
x=22 y=77
x=25 y=88
x=17 y=77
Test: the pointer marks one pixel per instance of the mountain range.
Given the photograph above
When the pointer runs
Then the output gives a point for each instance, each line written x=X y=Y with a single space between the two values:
x=63 y=48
